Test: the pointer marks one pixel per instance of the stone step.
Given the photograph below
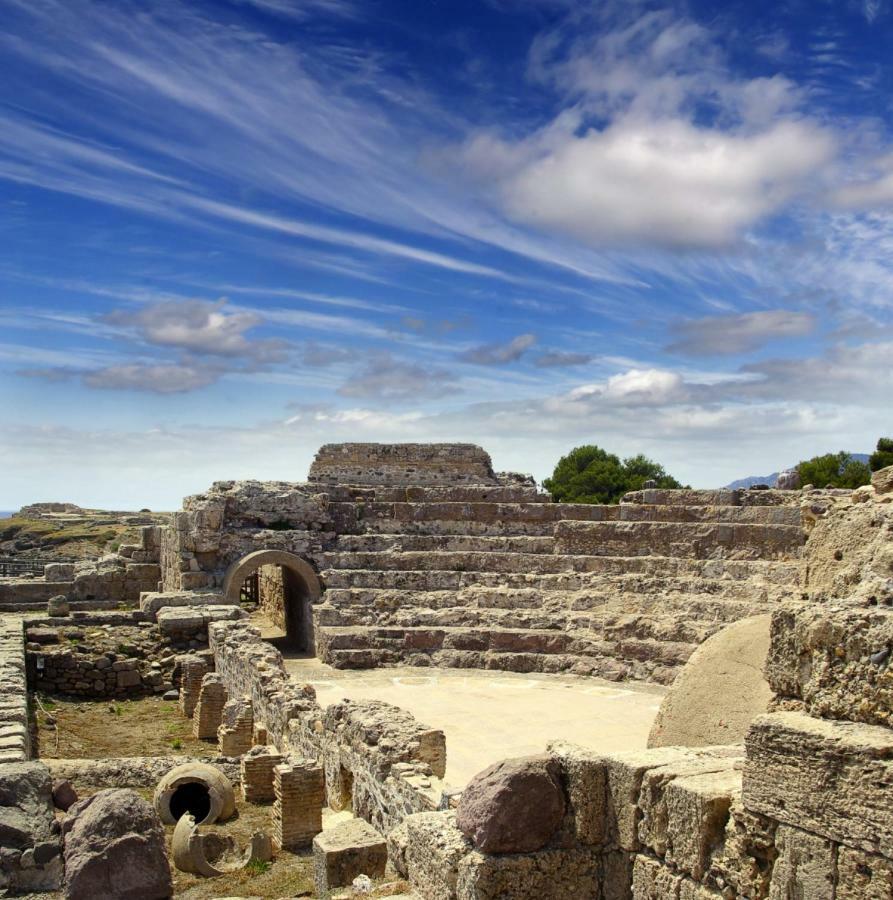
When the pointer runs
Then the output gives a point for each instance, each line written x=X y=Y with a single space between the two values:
x=720 y=497
x=679 y=539
x=14 y=606
x=782 y=574
x=463 y=493
x=737 y=596
x=743 y=515
x=531 y=563
x=482 y=512
x=457 y=543
x=505 y=649
x=457 y=527
x=692 y=623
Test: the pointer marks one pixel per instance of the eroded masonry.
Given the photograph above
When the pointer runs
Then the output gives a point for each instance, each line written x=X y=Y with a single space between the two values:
x=755 y=786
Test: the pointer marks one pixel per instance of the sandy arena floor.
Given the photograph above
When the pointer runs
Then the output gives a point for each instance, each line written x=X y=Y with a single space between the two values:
x=488 y=716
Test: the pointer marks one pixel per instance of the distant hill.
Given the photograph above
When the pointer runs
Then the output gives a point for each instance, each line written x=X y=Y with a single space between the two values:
x=751 y=480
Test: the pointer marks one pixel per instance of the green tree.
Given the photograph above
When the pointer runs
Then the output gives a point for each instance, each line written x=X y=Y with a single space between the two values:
x=836 y=470
x=882 y=456
x=589 y=474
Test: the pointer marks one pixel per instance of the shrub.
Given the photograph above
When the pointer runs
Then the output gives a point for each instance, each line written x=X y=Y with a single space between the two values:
x=835 y=470
x=589 y=474
x=882 y=456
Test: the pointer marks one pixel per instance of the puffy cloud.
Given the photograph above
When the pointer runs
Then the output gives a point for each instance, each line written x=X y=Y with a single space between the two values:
x=667 y=182
x=738 y=333
x=499 y=354
x=199 y=326
x=388 y=379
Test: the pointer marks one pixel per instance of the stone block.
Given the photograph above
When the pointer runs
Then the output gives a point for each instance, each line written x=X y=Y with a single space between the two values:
x=831 y=778
x=744 y=861
x=804 y=868
x=882 y=480
x=863 y=876
x=342 y=853
x=547 y=875
x=652 y=880
x=697 y=813
x=431 y=854
x=835 y=657
x=584 y=774
x=654 y=797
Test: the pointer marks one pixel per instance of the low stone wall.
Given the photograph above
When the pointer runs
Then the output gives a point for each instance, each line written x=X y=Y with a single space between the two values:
x=378 y=759
x=134 y=771
x=415 y=464
x=15 y=743
x=114 y=654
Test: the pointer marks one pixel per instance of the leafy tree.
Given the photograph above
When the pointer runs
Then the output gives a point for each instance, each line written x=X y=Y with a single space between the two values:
x=589 y=474
x=836 y=470
x=882 y=456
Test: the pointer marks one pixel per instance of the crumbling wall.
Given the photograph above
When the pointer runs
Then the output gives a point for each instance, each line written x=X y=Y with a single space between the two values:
x=271 y=594
x=800 y=810
x=402 y=464
x=392 y=763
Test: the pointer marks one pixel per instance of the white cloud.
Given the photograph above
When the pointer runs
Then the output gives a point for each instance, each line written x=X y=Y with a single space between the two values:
x=666 y=182
x=200 y=326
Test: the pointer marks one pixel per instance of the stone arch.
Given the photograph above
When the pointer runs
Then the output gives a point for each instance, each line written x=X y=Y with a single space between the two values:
x=301 y=589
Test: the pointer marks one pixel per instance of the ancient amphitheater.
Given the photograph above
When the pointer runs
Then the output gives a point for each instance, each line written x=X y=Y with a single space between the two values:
x=758 y=620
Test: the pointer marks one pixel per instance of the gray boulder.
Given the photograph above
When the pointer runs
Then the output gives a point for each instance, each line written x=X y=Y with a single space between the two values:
x=514 y=806
x=114 y=847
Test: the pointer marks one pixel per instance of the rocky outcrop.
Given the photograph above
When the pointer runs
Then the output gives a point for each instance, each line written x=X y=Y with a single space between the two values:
x=115 y=849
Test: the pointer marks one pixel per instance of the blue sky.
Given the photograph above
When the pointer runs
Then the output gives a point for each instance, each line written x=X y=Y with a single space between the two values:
x=234 y=231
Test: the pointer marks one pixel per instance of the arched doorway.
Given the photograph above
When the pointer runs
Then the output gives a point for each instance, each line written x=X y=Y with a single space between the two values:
x=285 y=586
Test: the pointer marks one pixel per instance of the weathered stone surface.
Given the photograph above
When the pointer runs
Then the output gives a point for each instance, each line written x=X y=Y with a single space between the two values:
x=863 y=876
x=830 y=778
x=584 y=776
x=514 y=806
x=836 y=657
x=719 y=690
x=684 y=809
x=882 y=480
x=348 y=850
x=414 y=464
x=64 y=795
x=745 y=860
x=115 y=849
x=804 y=868
x=547 y=875
x=432 y=850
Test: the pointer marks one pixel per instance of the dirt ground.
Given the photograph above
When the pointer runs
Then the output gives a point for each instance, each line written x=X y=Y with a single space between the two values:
x=72 y=729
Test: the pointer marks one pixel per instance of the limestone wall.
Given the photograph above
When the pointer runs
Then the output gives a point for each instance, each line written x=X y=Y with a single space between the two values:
x=271 y=594
x=800 y=810
x=402 y=464
x=378 y=760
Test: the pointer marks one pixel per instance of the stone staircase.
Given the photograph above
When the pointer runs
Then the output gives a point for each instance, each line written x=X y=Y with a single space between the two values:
x=501 y=578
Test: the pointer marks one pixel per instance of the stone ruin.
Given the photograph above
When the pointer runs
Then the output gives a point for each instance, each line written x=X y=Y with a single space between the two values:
x=422 y=555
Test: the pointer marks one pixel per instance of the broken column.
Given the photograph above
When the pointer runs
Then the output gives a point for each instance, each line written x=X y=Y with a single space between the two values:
x=192 y=670
x=257 y=774
x=235 y=733
x=209 y=709
x=299 y=788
